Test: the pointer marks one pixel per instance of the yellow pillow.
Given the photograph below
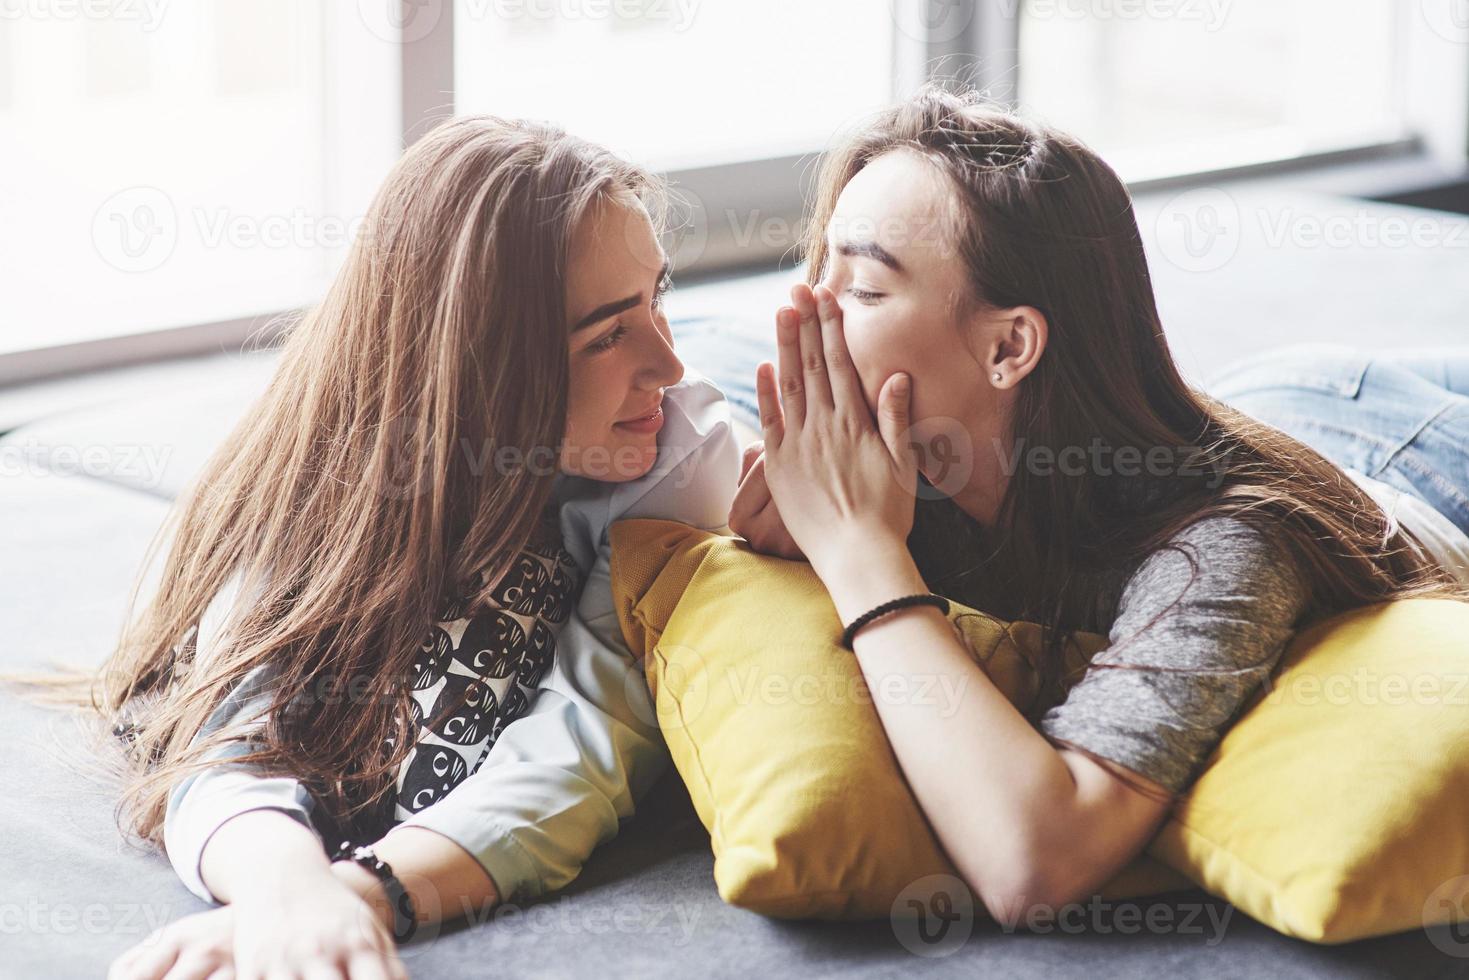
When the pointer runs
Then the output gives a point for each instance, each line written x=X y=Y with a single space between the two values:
x=1334 y=809
x=772 y=728
x=1337 y=807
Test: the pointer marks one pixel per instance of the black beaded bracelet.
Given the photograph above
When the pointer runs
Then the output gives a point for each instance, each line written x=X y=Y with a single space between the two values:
x=922 y=599
x=405 y=917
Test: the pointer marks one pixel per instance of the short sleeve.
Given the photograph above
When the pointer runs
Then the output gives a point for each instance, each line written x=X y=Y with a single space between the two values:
x=1199 y=628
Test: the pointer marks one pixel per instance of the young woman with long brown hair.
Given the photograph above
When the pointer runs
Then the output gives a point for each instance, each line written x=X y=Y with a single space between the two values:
x=974 y=398
x=403 y=545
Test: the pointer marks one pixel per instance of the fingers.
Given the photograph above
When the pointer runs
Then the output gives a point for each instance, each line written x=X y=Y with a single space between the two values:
x=755 y=517
x=745 y=519
x=121 y=968
x=894 y=405
x=752 y=494
x=145 y=961
x=772 y=421
x=846 y=387
x=767 y=534
x=792 y=384
x=813 y=355
x=752 y=452
x=750 y=498
x=325 y=970
x=367 y=965
x=195 y=967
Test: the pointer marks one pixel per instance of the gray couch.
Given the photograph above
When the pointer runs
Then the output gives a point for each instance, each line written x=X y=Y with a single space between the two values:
x=73 y=895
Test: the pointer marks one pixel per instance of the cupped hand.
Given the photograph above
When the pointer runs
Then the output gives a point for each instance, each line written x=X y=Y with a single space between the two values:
x=839 y=479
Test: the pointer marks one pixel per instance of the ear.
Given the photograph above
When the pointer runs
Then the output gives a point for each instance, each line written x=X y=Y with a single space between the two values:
x=1017 y=341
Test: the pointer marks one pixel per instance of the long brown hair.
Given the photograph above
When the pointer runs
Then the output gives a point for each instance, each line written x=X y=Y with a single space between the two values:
x=1043 y=221
x=354 y=498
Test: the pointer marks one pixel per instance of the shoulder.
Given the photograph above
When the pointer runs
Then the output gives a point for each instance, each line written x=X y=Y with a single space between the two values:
x=693 y=480
x=1218 y=543
x=1223 y=565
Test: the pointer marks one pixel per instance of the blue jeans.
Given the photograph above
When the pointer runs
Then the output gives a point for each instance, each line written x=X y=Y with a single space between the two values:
x=1401 y=417
x=727 y=353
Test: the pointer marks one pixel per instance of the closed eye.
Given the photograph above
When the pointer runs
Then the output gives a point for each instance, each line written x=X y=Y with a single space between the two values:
x=665 y=285
x=863 y=295
x=610 y=341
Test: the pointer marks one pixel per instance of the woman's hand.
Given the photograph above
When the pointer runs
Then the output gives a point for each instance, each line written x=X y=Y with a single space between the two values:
x=196 y=946
x=754 y=516
x=842 y=484
x=324 y=927
x=317 y=926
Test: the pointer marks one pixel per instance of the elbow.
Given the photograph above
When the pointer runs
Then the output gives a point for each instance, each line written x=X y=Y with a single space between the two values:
x=1023 y=892
x=1039 y=897
x=1020 y=906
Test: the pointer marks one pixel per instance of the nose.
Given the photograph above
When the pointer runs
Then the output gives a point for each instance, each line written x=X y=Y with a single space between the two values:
x=660 y=366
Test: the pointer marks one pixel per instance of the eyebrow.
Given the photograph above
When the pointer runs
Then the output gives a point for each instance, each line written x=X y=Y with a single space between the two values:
x=618 y=305
x=869 y=250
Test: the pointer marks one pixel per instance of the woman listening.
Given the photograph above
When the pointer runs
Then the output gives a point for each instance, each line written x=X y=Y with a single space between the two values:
x=385 y=617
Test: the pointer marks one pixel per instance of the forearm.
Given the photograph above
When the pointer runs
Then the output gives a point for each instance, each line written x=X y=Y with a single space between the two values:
x=444 y=880
x=259 y=853
x=998 y=795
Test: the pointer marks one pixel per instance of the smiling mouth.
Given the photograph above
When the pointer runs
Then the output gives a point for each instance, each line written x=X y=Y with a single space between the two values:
x=645 y=423
x=647 y=417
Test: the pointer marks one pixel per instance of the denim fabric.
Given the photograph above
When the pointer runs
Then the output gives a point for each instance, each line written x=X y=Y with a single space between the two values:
x=727 y=353
x=1402 y=418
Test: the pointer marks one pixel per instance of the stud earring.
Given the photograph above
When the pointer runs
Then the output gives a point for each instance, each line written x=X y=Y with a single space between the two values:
x=999 y=377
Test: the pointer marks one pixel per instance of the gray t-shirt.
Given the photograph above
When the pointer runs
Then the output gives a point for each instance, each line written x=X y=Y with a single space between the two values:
x=1196 y=651
x=1215 y=642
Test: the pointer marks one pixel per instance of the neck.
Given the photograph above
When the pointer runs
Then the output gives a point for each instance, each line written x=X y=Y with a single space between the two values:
x=982 y=489
x=981 y=496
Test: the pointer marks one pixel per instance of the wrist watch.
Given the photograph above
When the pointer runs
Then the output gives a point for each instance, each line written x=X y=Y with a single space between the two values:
x=405 y=918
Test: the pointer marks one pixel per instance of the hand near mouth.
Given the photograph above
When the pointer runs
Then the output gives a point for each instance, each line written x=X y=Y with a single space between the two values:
x=754 y=516
x=840 y=480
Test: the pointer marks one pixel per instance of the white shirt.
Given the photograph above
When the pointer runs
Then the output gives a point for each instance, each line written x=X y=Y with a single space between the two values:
x=561 y=777
x=1440 y=537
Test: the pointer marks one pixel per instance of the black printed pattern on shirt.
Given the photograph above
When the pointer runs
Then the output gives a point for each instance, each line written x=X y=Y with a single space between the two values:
x=476 y=674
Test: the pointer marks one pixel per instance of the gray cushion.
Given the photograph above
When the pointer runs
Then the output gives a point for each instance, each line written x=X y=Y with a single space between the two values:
x=150 y=440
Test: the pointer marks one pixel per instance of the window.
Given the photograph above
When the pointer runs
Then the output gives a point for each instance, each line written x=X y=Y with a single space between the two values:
x=1160 y=88
x=184 y=170
x=168 y=164
x=678 y=83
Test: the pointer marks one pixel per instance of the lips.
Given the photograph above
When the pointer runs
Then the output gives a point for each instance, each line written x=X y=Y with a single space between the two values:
x=644 y=425
x=645 y=417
